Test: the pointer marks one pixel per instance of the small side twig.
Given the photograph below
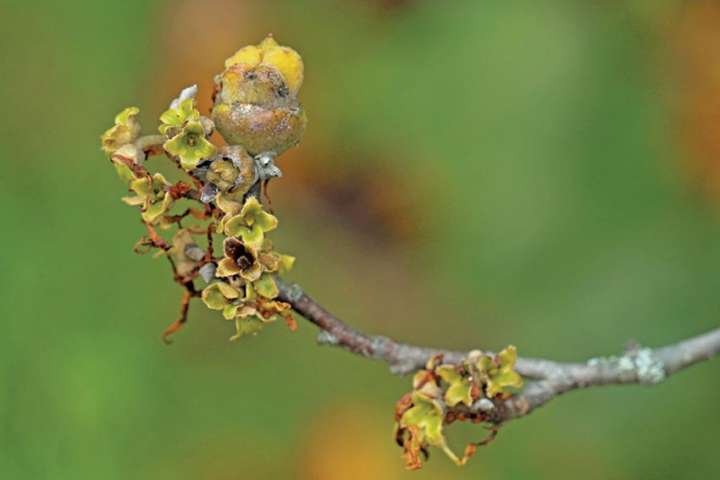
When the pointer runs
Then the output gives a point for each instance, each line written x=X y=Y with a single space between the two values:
x=188 y=295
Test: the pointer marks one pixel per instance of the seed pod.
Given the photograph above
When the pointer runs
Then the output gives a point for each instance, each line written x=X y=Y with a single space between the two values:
x=260 y=129
x=256 y=104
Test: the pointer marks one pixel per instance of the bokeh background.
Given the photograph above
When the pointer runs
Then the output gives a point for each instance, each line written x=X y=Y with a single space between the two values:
x=474 y=174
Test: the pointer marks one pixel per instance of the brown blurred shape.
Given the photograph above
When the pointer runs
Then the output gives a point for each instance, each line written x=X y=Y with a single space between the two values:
x=374 y=202
x=196 y=36
x=695 y=40
x=344 y=443
x=393 y=5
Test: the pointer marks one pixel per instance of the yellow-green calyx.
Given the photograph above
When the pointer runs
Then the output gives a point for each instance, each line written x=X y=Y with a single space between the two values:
x=459 y=386
x=190 y=145
x=219 y=296
x=249 y=221
x=496 y=373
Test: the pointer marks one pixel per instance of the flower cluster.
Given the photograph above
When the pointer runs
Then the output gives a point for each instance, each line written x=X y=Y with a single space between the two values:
x=246 y=291
x=220 y=190
x=217 y=202
x=443 y=393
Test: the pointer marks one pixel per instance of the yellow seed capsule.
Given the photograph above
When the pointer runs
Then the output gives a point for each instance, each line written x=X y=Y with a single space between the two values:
x=267 y=43
x=288 y=62
x=258 y=85
x=250 y=55
x=260 y=129
x=256 y=105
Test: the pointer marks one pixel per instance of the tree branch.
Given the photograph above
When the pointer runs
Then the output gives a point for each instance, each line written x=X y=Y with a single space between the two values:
x=637 y=366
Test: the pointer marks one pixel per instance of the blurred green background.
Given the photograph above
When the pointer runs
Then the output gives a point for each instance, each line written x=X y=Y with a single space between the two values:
x=474 y=174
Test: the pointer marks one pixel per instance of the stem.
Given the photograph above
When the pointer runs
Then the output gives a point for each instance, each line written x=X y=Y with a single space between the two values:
x=147 y=142
x=638 y=366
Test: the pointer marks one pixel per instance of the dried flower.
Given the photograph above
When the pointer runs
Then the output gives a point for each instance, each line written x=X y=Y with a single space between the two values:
x=126 y=130
x=152 y=194
x=233 y=170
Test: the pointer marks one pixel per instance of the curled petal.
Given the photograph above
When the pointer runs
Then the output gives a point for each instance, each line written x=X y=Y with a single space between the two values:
x=175 y=118
x=156 y=209
x=459 y=386
x=266 y=287
x=254 y=214
x=427 y=415
x=227 y=268
x=227 y=205
x=246 y=326
x=126 y=130
x=230 y=311
x=286 y=264
x=218 y=295
x=213 y=298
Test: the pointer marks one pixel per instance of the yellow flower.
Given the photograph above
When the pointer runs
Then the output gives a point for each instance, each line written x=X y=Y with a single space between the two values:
x=248 y=221
x=498 y=372
x=190 y=145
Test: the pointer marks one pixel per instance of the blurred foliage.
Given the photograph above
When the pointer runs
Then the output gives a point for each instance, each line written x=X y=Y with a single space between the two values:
x=538 y=147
